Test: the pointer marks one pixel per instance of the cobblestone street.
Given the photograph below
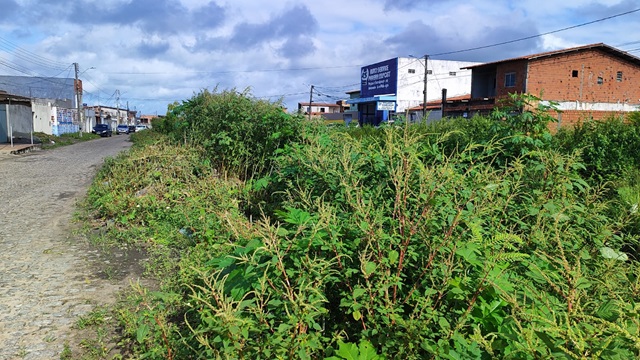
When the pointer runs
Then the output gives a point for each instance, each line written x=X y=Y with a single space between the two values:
x=47 y=277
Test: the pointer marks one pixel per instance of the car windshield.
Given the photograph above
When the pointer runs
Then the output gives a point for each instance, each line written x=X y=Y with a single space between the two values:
x=101 y=126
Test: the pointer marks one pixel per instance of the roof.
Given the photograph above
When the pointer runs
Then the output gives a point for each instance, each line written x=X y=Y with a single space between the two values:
x=5 y=96
x=435 y=104
x=599 y=46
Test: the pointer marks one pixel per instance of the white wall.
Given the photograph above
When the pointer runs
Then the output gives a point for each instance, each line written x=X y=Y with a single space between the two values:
x=44 y=116
x=411 y=85
x=585 y=106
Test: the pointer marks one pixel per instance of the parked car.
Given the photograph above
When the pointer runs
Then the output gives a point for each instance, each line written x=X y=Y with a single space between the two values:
x=122 y=129
x=141 y=127
x=103 y=130
x=132 y=128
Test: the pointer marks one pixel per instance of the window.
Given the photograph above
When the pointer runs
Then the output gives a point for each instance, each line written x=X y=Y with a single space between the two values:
x=429 y=72
x=321 y=110
x=600 y=80
x=574 y=73
x=412 y=71
x=452 y=73
x=510 y=79
x=619 y=76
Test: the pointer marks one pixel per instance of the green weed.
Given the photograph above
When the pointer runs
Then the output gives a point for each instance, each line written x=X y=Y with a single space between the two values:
x=482 y=238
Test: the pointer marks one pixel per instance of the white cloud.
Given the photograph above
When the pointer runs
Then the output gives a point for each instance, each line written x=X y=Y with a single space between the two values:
x=155 y=59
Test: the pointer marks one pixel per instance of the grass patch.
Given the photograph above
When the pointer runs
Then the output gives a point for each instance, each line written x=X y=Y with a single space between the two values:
x=54 y=141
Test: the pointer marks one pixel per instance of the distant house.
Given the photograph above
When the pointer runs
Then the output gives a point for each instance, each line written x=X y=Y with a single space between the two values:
x=146 y=119
x=453 y=107
x=352 y=113
x=112 y=115
x=318 y=109
x=591 y=81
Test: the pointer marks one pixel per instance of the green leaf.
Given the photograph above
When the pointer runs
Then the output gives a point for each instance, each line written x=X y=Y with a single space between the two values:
x=393 y=257
x=369 y=268
x=347 y=351
x=583 y=284
x=357 y=315
x=367 y=352
x=609 y=253
x=282 y=232
x=608 y=311
x=444 y=324
x=469 y=253
x=142 y=332
x=358 y=291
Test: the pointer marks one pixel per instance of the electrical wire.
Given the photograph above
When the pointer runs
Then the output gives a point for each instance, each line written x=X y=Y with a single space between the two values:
x=537 y=35
x=30 y=56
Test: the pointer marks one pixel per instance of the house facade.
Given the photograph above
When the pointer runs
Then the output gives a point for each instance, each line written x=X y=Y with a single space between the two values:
x=111 y=116
x=593 y=81
x=395 y=85
x=318 y=109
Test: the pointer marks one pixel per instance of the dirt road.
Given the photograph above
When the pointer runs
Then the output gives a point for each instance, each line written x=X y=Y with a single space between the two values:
x=47 y=277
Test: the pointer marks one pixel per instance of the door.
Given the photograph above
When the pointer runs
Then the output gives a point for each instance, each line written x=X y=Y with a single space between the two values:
x=4 y=130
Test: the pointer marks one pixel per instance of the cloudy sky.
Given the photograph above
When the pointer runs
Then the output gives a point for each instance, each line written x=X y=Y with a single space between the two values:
x=154 y=52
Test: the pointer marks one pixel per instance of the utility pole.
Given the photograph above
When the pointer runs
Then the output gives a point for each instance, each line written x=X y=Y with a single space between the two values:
x=117 y=107
x=78 y=98
x=310 y=101
x=424 y=92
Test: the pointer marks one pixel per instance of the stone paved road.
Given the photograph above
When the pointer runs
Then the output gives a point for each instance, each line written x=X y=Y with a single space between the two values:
x=47 y=278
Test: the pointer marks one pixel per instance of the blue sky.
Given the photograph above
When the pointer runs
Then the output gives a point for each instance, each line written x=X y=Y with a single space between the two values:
x=155 y=52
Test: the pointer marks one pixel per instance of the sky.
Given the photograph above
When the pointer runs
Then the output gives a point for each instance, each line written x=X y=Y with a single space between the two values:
x=147 y=54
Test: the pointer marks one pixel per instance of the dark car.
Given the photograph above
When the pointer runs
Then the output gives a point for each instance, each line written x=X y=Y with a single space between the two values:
x=122 y=129
x=132 y=128
x=103 y=130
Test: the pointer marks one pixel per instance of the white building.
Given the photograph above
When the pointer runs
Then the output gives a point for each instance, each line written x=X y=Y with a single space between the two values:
x=395 y=85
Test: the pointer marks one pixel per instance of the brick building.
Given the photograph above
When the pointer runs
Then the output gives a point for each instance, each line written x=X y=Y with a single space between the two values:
x=591 y=81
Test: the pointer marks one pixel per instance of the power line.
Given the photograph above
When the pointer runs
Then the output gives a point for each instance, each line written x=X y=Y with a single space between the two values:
x=30 y=56
x=537 y=35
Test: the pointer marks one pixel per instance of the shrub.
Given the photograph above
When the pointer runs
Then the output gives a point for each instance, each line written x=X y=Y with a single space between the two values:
x=606 y=147
x=238 y=133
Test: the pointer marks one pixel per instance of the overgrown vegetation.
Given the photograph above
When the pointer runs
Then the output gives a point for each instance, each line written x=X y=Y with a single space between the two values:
x=53 y=141
x=468 y=239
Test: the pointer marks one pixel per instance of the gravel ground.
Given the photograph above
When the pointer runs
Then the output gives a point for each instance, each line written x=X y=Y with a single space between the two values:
x=48 y=277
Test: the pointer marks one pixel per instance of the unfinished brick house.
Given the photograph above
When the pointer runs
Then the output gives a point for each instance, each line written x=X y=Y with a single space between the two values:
x=592 y=81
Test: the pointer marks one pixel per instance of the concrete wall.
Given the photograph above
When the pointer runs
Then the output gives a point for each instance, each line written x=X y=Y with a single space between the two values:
x=411 y=80
x=64 y=123
x=43 y=117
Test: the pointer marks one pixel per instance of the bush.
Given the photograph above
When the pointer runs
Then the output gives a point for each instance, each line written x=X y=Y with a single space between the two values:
x=240 y=134
x=607 y=147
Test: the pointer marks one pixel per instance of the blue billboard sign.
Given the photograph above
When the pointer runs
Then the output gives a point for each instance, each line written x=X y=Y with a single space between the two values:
x=379 y=79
